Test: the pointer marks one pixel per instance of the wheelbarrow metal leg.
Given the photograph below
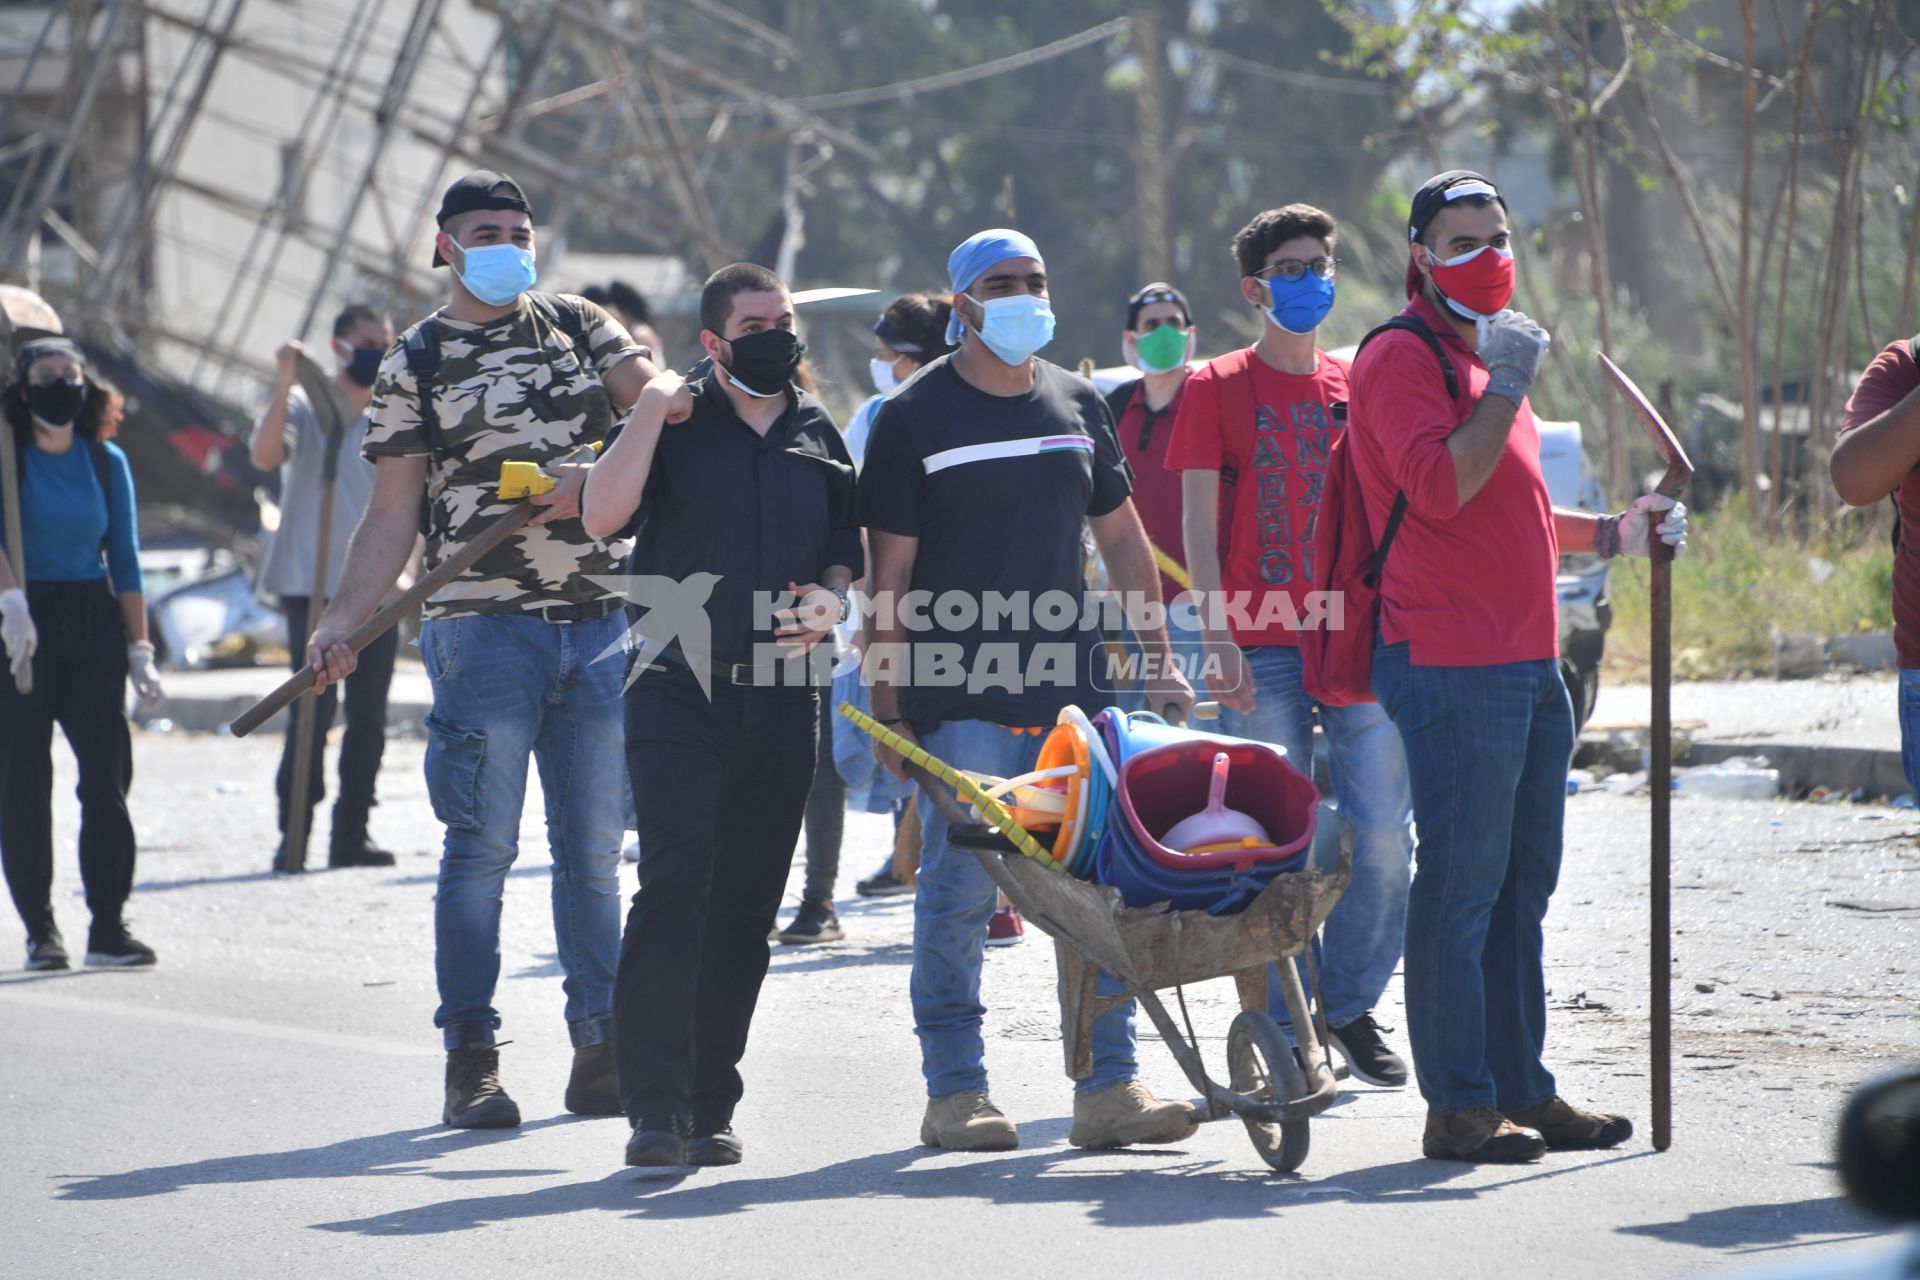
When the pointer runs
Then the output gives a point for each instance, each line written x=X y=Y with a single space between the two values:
x=1078 y=980
x=1319 y=1075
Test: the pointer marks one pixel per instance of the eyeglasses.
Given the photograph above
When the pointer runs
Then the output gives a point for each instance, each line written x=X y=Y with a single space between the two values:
x=1291 y=269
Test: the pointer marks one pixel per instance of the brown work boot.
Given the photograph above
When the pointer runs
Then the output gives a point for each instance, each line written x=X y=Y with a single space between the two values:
x=1481 y=1136
x=1567 y=1128
x=1125 y=1114
x=967 y=1122
x=475 y=1098
x=593 y=1089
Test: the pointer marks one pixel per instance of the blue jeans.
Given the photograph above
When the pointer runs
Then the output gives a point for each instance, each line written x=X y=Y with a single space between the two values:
x=1910 y=727
x=1362 y=938
x=954 y=900
x=1487 y=749
x=506 y=687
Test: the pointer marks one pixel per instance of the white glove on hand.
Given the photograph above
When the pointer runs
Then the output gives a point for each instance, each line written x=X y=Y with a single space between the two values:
x=1512 y=347
x=146 y=681
x=17 y=631
x=1629 y=528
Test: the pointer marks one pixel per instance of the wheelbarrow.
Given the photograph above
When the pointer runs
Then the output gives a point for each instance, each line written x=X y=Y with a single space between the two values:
x=1148 y=950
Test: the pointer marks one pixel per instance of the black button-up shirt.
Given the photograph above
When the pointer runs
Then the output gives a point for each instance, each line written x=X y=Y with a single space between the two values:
x=754 y=512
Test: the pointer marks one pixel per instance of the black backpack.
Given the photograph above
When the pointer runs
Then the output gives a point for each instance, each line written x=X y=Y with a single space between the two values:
x=423 y=360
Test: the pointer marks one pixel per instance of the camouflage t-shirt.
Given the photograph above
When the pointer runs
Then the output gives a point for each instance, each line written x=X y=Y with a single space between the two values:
x=512 y=389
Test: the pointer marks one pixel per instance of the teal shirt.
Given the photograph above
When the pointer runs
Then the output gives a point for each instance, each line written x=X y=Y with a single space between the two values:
x=65 y=518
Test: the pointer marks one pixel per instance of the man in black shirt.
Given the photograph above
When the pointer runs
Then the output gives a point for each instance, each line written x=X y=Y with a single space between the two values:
x=979 y=477
x=745 y=506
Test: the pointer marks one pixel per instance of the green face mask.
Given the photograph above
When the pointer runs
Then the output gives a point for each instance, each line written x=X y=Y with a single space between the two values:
x=1162 y=350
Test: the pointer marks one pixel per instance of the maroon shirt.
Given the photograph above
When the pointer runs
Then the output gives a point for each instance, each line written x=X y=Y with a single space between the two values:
x=1888 y=380
x=1156 y=490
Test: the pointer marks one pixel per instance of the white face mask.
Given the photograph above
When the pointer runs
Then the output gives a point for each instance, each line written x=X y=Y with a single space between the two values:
x=881 y=371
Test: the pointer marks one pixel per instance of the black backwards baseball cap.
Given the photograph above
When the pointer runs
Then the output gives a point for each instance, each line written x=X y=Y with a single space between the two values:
x=1435 y=194
x=481 y=189
x=1158 y=291
x=894 y=338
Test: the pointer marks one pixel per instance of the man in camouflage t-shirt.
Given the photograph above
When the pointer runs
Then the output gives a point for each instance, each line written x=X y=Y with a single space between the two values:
x=504 y=374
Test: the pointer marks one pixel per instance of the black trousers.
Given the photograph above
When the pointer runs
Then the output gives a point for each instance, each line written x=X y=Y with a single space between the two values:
x=720 y=788
x=80 y=684
x=361 y=746
x=826 y=818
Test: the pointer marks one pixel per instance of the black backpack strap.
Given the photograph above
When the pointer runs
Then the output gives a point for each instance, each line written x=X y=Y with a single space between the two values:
x=1120 y=398
x=1394 y=517
x=1418 y=328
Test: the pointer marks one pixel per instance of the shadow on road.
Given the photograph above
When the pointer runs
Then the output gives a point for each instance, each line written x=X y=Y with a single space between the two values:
x=1764 y=1228
x=1206 y=1190
x=406 y=1151
x=823 y=959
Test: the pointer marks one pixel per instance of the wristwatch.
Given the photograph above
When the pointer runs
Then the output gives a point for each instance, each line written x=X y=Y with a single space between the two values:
x=846 y=603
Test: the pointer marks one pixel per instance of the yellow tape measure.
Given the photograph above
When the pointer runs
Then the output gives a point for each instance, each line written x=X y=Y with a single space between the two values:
x=967 y=789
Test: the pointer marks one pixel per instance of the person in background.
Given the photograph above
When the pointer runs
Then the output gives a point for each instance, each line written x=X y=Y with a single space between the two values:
x=79 y=623
x=629 y=306
x=1877 y=456
x=289 y=436
x=909 y=335
x=1251 y=448
x=1159 y=341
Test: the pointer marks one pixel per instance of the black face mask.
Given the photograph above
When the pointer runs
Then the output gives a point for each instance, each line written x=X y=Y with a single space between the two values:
x=364 y=365
x=57 y=403
x=764 y=362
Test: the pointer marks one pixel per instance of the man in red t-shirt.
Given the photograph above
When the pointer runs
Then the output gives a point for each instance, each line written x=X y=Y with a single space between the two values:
x=1878 y=453
x=1251 y=448
x=1158 y=341
x=1468 y=670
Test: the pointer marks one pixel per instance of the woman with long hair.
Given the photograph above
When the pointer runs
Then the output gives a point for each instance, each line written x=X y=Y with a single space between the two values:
x=79 y=621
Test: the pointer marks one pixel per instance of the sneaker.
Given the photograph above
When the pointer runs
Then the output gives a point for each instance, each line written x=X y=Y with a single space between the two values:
x=658 y=1142
x=1369 y=1060
x=475 y=1097
x=360 y=854
x=883 y=884
x=1566 y=1127
x=1480 y=1136
x=47 y=952
x=594 y=1087
x=1125 y=1114
x=814 y=922
x=967 y=1122
x=110 y=945
x=716 y=1147
x=1006 y=928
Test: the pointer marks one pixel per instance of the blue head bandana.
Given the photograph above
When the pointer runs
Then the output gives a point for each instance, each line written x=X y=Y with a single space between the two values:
x=975 y=254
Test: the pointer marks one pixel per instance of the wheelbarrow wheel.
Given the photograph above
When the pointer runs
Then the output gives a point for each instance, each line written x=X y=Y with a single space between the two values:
x=1260 y=1064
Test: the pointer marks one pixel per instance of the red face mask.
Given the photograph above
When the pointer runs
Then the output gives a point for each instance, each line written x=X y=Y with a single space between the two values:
x=1476 y=284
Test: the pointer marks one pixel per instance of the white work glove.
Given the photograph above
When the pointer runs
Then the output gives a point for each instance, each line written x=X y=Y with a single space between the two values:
x=17 y=631
x=146 y=681
x=1626 y=533
x=1512 y=347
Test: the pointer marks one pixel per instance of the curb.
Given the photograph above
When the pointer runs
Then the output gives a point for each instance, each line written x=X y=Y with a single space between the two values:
x=1803 y=768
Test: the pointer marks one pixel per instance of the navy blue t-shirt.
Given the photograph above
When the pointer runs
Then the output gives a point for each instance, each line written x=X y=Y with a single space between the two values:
x=997 y=489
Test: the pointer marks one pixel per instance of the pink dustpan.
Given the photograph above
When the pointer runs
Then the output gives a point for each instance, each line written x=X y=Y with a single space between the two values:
x=1216 y=828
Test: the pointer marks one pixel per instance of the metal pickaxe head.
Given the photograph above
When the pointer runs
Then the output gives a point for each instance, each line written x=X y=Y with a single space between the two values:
x=1679 y=469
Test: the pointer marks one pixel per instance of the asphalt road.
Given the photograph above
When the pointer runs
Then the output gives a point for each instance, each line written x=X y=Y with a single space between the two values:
x=266 y=1101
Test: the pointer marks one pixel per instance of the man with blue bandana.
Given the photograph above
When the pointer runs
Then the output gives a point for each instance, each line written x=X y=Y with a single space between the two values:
x=1250 y=445
x=980 y=475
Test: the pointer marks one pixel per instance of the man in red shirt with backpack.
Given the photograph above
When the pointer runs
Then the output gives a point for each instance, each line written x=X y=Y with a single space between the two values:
x=1445 y=451
x=1251 y=444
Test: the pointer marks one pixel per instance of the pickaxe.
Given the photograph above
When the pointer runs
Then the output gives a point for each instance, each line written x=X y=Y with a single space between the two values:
x=517 y=480
x=1660 y=767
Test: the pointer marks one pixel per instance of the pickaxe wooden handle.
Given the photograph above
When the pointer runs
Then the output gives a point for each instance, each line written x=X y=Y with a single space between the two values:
x=462 y=559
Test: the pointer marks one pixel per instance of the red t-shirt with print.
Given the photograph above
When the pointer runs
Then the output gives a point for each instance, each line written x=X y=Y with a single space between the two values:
x=1267 y=433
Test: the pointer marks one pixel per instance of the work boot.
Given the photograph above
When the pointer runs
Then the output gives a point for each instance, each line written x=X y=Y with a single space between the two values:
x=658 y=1142
x=967 y=1122
x=814 y=922
x=1369 y=1060
x=475 y=1097
x=1566 y=1127
x=1480 y=1136
x=358 y=853
x=1125 y=1114
x=110 y=945
x=594 y=1088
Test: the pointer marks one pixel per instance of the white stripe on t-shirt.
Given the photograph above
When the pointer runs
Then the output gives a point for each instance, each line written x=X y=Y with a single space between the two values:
x=1027 y=448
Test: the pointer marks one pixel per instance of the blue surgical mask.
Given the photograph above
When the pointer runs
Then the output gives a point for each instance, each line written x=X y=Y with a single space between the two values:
x=1298 y=306
x=496 y=274
x=1014 y=328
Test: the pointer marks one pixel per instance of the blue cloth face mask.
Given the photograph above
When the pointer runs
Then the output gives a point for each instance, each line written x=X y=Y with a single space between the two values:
x=1298 y=306
x=496 y=274
x=1014 y=328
